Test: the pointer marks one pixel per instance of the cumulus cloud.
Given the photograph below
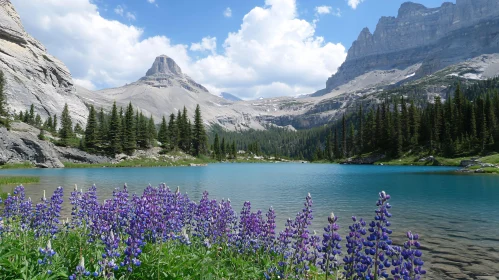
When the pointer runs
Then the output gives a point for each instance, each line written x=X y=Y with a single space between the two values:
x=206 y=44
x=273 y=53
x=119 y=10
x=99 y=52
x=130 y=16
x=354 y=3
x=273 y=47
x=323 y=10
x=228 y=12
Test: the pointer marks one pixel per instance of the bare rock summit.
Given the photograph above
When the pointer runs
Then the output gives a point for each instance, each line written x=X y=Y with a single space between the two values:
x=32 y=75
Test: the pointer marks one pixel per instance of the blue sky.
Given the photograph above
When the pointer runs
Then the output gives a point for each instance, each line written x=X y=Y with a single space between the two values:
x=187 y=21
x=261 y=48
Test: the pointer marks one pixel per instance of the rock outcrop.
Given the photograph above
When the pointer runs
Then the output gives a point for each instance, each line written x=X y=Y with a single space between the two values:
x=432 y=37
x=21 y=144
x=32 y=75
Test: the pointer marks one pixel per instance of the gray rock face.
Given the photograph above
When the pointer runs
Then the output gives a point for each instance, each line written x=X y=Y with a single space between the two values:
x=164 y=72
x=164 y=65
x=21 y=144
x=434 y=37
x=32 y=75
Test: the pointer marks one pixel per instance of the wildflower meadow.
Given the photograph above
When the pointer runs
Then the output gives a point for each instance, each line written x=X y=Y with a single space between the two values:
x=162 y=234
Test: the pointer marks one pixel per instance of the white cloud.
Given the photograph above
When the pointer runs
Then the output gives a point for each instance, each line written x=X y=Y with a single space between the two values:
x=228 y=12
x=273 y=53
x=130 y=16
x=151 y=1
x=98 y=51
x=272 y=47
x=206 y=44
x=119 y=10
x=354 y=3
x=323 y=10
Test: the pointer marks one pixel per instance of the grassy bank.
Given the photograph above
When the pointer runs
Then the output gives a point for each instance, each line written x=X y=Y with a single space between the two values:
x=23 y=165
x=17 y=180
x=415 y=160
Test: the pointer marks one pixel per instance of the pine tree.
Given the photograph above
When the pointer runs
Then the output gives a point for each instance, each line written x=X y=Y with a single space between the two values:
x=163 y=133
x=351 y=141
x=129 y=131
x=91 y=131
x=31 y=116
x=414 y=124
x=360 y=142
x=66 y=131
x=336 y=148
x=199 y=138
x=172 y=132
x=180 y=130
x=54 y=125
x=223 y=151
x=78 y=129
x=142 y=136
x=344 y=137
x=103 y=140
x=38 y=121
x=329 y=146
x=115 y=131
x=234 y=150
x=151 y=132
x=216 y=148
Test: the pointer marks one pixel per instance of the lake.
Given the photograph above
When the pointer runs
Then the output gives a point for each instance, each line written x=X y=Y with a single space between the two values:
x=457 y=216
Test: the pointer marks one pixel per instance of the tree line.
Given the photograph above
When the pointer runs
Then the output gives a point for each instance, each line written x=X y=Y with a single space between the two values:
x=124 y=130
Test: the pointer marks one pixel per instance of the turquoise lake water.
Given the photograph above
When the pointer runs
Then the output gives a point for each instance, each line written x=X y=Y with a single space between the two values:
x=456 y=215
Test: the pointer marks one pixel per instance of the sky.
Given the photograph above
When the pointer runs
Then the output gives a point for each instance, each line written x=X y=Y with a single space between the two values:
x=249 y=48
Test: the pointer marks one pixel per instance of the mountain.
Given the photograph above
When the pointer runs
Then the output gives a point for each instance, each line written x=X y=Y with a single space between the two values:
x=165 y=89
x=230 y=97
x=32 y=75
x=418 y=42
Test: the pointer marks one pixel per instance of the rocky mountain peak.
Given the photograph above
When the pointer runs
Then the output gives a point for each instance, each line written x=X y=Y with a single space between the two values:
x=408 y=9
x=33 y=76
x=431 y=37
x=163 y=64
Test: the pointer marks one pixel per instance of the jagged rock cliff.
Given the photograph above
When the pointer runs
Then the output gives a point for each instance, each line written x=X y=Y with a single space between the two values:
x=21 y=144
x=32 y=75
x=431 y=38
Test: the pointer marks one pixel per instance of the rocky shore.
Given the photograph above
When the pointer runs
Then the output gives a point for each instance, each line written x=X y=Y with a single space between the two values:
x=21 y=144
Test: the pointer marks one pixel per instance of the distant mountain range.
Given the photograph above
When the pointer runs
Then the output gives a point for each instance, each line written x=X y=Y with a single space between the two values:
x=230 y=97
x=428 y=47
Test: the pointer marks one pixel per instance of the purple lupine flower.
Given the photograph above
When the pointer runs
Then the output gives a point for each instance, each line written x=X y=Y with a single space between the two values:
x=47 y=213
x=13 y=203
x=108 y=263
x=409 y=264
x=378 y=243
x=355 y=261
x=47 y=254
x=301 y=236
x=331 y=247
x=269 y=231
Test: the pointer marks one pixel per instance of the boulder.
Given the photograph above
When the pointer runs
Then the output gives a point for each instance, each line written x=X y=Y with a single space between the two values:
x=21 y=144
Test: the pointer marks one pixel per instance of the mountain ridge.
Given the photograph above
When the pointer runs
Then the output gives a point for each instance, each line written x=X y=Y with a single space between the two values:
x=433 y=37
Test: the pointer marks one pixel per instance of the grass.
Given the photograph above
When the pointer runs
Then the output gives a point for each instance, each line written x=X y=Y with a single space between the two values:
x=414 y=160
x=13 y=180
x=26 y=164
x=494 y=159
